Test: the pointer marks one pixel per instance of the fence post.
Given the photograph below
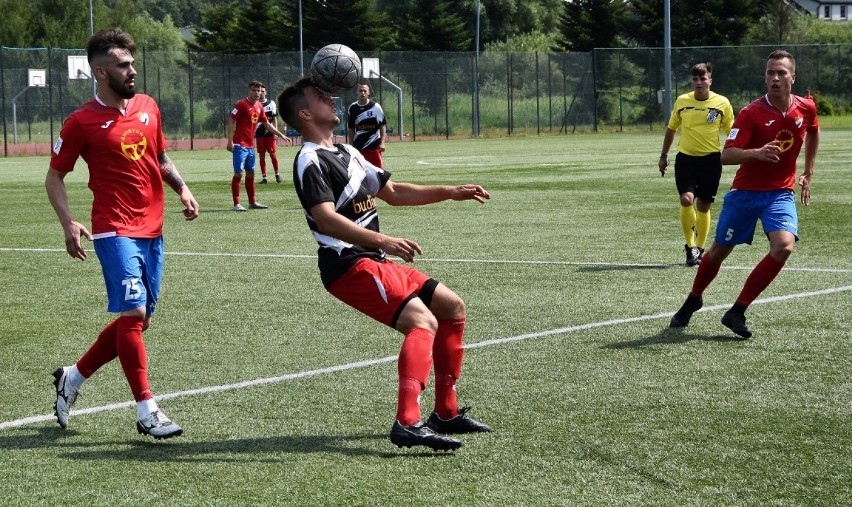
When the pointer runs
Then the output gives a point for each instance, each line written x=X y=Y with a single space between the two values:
x=191 y=101
x=3 y=102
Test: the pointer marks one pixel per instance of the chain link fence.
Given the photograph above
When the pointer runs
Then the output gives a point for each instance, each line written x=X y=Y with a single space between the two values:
x=424 y=94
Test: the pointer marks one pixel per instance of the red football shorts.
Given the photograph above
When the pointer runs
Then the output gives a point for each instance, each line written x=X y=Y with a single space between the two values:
x=265 y=145
x=373 y=156
x=379 y=289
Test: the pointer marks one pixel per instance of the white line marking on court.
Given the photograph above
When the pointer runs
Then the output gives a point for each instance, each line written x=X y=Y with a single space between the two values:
x=459 y=261
x=372 y=362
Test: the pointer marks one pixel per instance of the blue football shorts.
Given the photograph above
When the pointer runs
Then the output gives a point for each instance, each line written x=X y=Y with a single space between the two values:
x=133 y=269
x=243 y=159
x=741 y=209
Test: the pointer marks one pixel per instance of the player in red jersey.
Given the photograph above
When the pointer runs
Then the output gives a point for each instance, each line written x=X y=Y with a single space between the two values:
x=338 y=188
x=119 y=134
x=245 y=116
x=765 y=140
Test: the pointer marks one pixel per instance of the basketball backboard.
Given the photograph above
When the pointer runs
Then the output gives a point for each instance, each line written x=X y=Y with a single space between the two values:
x=78 y=67
x=37 y=77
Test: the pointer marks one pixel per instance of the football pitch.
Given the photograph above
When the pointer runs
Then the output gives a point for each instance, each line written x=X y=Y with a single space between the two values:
x=570 y=274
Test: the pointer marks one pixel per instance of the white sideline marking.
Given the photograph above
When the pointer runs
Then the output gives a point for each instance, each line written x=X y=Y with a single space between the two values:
x=458 y=261
x=372 y=362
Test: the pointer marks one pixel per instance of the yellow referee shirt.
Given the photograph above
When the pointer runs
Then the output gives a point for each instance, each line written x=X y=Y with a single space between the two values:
x=700 y=122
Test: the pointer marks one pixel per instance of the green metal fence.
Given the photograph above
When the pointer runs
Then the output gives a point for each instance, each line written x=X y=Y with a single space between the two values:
x=425 y=95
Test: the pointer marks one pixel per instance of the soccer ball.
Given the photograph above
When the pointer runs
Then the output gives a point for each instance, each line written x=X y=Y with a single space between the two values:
x=335 y=68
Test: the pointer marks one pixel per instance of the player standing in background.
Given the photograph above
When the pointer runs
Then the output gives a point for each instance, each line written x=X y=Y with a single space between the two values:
x=700 y=115
x=367 y=126
x=338 y=188
x=119 y=134
x=266 y=139
x=765 y=140
x=245 y=116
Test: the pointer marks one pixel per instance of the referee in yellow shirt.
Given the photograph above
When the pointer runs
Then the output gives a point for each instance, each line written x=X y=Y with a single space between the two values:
x=700 y=115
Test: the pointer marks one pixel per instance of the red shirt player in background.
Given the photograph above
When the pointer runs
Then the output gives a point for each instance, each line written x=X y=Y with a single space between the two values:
x=119 y=134
x=241 y=127
x=765 y=140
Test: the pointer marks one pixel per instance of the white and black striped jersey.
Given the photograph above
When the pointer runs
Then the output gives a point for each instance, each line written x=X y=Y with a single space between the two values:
x=271 y=111
x=366 y=121
x=339 y=175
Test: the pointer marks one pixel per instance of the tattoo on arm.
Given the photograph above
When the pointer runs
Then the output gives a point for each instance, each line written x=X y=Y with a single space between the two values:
x=170 y=173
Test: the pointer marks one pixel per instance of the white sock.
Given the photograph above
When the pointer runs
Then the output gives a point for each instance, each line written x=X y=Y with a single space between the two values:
x=75 y=378
x=145 y=407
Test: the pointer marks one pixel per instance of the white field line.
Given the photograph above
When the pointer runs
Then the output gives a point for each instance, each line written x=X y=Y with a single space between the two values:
x=372 y=362
x=456 y=261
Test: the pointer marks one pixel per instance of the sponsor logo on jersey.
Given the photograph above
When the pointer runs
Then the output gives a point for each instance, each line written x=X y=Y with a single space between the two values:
x=363 y=206
x=133 y=144
x=799 y=121
x=785 y=139
x=107 y=124
x=143 y=117
x=769 y=123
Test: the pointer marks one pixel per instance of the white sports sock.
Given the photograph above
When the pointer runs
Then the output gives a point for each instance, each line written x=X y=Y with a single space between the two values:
x=75 y=378
x=145 y=407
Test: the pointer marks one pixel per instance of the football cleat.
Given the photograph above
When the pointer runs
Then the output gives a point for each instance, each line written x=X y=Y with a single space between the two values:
x=734 y=319
x=277 y=178
x=239 y=207
x=66 y=395
x=257 y=205
x=693 y=255
x=264 y=181
x=690 y=306
x=420 y=434
x=461 y=423
x=158 y=426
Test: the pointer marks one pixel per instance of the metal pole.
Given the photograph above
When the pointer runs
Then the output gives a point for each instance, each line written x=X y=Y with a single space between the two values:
x=667 y=95
x=301 y=44
x=476 y=76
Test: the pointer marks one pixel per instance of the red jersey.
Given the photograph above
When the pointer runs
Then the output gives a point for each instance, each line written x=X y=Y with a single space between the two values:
x=247 y=115
x=759 y=123
x=122 y=152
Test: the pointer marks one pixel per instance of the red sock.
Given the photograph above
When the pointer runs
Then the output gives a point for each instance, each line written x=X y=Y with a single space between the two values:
x=415 y=361
x=759 y=279
x=707 y=271
x=262 y=165
x=447 y=353
x=101 y=352
x=250 y=189
x=235 y=189
x=274 y=158
x=133 y=357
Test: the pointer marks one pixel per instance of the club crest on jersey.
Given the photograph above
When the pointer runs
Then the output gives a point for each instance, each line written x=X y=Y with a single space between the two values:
x=712 y=114
x=133 y=144
x=143 y=117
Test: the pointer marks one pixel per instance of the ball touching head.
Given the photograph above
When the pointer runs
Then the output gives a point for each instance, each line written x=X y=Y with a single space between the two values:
x=335 y=68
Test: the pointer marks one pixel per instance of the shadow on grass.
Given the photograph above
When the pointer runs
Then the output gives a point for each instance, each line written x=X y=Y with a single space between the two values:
x=259 y=449
x=670 y=336
x=615 y=267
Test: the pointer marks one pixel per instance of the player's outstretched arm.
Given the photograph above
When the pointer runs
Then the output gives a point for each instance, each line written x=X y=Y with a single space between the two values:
x=409 y=194
x=338 y=226
x=74 y=231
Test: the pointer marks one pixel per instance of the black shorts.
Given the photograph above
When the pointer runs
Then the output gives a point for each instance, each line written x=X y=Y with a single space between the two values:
x=698 y=175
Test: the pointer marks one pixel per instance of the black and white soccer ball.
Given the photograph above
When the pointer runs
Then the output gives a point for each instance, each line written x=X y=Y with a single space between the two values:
x=335 y=68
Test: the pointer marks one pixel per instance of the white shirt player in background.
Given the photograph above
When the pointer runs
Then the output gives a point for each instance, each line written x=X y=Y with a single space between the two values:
x=265 y=140
x=367 y=126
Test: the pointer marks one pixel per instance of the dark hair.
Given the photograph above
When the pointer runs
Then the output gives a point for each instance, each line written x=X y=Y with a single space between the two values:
x=701 y=69
x=780 y=54
x=256 y=84
x=101 y=43
x=292 y=100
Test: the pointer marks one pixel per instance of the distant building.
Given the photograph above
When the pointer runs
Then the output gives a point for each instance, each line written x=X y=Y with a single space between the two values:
x=828 y=10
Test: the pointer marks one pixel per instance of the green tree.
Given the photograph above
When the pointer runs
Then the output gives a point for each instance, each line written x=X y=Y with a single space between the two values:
x=355 y=23
x=434 y=25
x=16 y=29
x=784 y=25
x=245 y=25
x=693 y=22
x=589 y=24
